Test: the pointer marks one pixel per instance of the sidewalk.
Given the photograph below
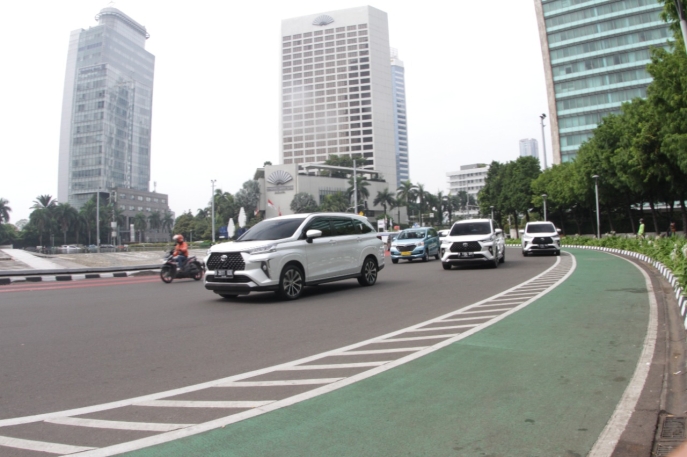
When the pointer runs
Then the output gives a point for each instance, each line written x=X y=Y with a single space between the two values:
x=543 y=382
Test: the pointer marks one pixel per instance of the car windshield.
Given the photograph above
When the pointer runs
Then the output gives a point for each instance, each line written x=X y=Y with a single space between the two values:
x=412 y=235
x=471 y=228
x=540 y=228
x=272 y=229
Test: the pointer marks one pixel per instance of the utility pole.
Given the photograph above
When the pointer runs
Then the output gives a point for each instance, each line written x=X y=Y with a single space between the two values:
x=97 y=219
x=355 y=189
x=213 y=211
x=543 y=139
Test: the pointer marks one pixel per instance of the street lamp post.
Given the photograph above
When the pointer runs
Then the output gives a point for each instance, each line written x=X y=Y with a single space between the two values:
x=544 y=197
x=598 y=218
x=543 y=139
x=97 y=219
x=492 y=212
x=213 y=181
x=355 y=188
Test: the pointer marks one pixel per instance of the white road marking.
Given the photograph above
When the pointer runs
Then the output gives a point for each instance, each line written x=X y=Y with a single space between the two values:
x=487 y=310
x=416 y=338
x=292 y=382
x=204 y=404
x=117 y=425
x=607 y=441
x=469 y=318
x=41 y=446
x=380 y=351
x=450 y=327
x=332 y=366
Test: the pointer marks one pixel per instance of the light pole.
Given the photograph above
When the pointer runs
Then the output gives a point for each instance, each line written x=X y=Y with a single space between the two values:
x=543 y=139
x=97 y=219
x=492 y=212
x=544 y=197
x=213 y=181
x=598 y=219
x=355 y=189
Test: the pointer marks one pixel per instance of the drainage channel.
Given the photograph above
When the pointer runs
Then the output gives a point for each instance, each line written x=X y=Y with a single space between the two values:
x=166 y=416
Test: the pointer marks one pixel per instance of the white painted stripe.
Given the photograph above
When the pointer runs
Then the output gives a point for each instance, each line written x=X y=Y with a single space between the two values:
x=607 y=441
x=418 y=338
x=204 y=404
x=470 y=318
x=290 y=382
x=487 y=310
x=506 y=301
x=224 y=421
x=451 y=327
x=41 y=446
x=381 y=351
x=332 y=366
x=517 y=294
x=117 y=425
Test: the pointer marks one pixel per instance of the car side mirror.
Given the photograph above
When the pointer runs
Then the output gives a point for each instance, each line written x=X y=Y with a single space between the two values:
x=498 y=232
x=310 y=234
x=559 y=231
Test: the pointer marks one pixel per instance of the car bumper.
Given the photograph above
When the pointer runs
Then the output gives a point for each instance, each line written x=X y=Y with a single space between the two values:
x=548 y=247
x=242 y=282
x=415 y=254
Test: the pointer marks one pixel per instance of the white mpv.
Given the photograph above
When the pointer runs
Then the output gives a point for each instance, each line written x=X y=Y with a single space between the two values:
x=286 y=253
x=540 y=237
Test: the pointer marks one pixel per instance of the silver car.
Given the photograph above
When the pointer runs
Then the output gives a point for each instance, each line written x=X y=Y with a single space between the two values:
x=286 y=253
x=473 y=241
x=540 y=237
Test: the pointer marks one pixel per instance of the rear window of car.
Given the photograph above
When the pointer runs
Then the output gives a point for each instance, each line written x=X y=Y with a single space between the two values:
x=540 y=228
x=471 y=228
x=412 y=235
x=272 y=229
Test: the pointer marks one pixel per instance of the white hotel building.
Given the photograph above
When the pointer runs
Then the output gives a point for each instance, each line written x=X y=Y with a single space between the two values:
x=336 y=90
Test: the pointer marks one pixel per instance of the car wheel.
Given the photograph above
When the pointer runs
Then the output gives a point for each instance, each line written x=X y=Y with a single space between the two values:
x=495 y=260
x=167 y=274
x=290 y=283
x=436 y=256
x=503 y=256
x=368 y=274
x=425 y=257
x=394 y=260
x=228 y=295
x=557 y=252
x=198 y=275
x=524 y=253
x=446 y=266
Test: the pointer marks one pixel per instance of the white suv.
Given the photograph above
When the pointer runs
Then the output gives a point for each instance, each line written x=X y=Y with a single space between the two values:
x=540 y=237
x=473 y=241
x=286 y=253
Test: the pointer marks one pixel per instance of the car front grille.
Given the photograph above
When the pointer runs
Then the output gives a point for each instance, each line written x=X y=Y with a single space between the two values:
x=542 y=240
x=470 y=246
x=406 y=248
x=234 y=261
x=238 y=279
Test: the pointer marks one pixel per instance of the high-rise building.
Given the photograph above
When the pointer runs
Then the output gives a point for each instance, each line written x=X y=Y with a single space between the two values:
x=106 y=110
x=595 y=55
x=336 y=90
x=529 y=148
x=400 y=118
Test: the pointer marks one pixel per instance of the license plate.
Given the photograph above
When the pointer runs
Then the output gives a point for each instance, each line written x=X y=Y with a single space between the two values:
x=224 y=273
x=466 y=254
x=542 y=246
x=406 y=253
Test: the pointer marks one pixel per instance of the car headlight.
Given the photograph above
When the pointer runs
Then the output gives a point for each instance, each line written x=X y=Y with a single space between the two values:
x=263 y=249
x=421 y=243
x=208 y=252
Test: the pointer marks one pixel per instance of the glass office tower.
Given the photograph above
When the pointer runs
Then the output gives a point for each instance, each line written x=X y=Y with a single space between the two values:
x=106 y=110
x=400 y=118
x=595 y=55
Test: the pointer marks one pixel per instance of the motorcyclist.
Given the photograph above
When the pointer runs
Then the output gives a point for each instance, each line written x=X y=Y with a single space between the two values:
x=180 y=250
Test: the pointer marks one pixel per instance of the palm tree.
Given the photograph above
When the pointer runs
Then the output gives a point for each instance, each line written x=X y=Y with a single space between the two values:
x=403 y=194
x=336 y=202
x=140 y=224
x=361 y=184
x=42 y=219
x=167 y=221
x=5 y=211
x=421 y=194
x=384 y=198
x=65 y=215
x=155 y=220
x=44 y=202
x=88 y=212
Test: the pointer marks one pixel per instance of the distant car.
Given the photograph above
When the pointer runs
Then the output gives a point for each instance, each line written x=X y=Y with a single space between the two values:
x=473 y=241
x=107 y=248
x=68 y=249
x=542 y=237
x=415 y=243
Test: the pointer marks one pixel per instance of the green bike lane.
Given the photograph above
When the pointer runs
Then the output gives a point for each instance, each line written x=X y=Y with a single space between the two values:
x=542 y=382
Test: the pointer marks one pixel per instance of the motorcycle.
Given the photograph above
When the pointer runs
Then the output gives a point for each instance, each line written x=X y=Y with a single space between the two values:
x=193 y=268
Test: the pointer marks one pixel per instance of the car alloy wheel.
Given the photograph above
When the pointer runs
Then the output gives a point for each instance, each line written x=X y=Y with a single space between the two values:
x=291 y=283
x=446 y=266
x=368 y=275
x=495 y=260
x=503 y=256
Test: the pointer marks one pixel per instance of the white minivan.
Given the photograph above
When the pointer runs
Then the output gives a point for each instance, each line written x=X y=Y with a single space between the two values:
x=286 y=253
x=540 y=237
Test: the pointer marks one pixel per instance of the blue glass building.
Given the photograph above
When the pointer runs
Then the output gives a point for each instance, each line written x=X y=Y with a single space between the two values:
x=400 y=118
x=595 y=55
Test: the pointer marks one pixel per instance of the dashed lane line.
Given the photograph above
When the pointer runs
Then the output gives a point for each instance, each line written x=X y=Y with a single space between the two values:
x=41 y=446
x=117 y=425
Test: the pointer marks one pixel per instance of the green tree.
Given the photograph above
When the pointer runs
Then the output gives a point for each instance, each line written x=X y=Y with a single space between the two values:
x=361 y=185
x=248 y=198
x=140 y=225
x=404 y=193
x=5 y=211
x=340 y=161
x=336 y=202
x=303 y=202
x=184 y=225
x=65 y=215
x=385 y=198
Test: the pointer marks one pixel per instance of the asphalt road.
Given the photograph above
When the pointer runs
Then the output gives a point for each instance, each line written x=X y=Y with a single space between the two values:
x=70 y=345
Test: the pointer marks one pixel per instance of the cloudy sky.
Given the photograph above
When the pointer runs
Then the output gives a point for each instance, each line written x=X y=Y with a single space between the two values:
x=474 y=87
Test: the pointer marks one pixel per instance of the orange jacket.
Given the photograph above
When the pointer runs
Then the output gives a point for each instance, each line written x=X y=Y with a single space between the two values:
x=181 y=249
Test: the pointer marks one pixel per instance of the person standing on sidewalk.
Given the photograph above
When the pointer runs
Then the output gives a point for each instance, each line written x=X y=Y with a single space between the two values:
x=640 y=232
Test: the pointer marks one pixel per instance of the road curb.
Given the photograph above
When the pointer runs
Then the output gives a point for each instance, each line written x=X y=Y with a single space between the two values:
x=78 y=276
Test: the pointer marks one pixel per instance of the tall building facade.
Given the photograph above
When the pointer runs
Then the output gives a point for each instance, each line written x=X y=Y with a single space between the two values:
x=106 y=110
x=595 y=55
x=529 y=148
x=400 y=118
x=336 y=90
x=470 y=179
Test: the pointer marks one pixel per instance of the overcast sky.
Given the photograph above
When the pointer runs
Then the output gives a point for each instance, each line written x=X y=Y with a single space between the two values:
x=474 y=87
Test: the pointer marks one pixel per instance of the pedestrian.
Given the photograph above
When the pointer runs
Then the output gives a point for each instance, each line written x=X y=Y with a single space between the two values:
x=671 y=230
x=640 y=232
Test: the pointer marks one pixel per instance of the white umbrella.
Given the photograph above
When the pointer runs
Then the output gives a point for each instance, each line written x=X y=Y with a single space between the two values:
x=242 y=218
x=230 y=228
